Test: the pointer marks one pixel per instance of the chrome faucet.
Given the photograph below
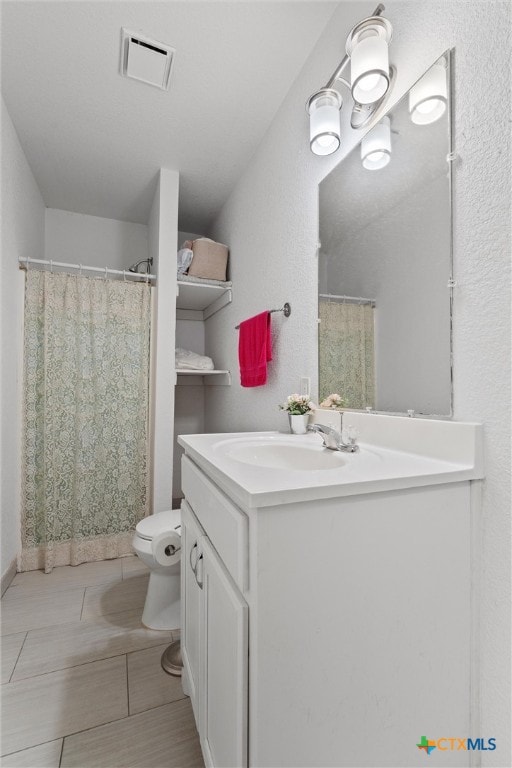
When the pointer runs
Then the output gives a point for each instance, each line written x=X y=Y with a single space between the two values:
x=333 y=439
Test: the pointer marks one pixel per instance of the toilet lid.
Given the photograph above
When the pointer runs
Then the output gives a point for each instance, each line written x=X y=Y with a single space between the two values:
x=160 y=522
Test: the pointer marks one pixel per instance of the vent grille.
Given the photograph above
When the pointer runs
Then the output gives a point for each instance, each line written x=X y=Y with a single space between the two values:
x=146 y=60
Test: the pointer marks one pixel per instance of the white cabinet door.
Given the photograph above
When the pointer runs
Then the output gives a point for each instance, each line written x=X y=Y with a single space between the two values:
x=191 y=597
x=224 y=671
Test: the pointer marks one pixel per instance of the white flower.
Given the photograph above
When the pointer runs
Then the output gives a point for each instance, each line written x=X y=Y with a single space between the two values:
x=333 y=401
x=297 y=405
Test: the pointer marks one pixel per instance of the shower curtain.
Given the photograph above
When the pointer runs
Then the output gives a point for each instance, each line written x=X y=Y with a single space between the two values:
x=85 y=418
x=346 y=352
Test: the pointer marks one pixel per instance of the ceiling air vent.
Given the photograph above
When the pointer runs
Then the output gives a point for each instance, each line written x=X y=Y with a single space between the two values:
x=145 y=59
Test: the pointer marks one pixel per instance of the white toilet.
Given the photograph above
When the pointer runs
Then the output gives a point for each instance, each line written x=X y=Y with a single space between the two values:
x=157 y=542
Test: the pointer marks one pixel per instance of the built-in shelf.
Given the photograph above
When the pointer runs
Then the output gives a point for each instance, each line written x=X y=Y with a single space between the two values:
x=199 y=301
x=203 y=377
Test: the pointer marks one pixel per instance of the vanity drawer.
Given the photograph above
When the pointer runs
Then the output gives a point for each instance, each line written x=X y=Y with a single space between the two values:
x=224 y=524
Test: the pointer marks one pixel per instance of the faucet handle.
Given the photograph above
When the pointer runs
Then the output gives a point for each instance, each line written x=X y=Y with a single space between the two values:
x=350 y=435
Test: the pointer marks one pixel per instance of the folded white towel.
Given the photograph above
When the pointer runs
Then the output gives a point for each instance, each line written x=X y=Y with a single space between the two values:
x=185 y=359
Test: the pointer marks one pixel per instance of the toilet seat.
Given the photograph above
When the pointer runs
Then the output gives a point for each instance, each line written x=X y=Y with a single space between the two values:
x=160 y=522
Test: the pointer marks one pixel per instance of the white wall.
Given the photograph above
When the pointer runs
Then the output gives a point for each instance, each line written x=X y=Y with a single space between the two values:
x=162 y=236
x=182 y=236
x=270 y=225
x=93 y=241
x=189 y=399
x=188 y=420
x=22 y=235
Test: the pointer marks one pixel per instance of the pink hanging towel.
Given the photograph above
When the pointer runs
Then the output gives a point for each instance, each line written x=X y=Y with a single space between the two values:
x=254 y=350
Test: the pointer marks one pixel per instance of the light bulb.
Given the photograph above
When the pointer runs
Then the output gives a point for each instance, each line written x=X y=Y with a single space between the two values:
x=367 y=47
x=324 y=121
x=324 y=141
x=376 y=146
x=428 y=97
x=369 y=82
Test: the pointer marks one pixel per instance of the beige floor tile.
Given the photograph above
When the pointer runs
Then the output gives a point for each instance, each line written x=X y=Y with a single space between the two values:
x=21 y=612
x=48 y=707
x=43 y=756
x=127 y=595
x=148 y=685
x=69 y=576
x=165 y=736
x=68 y=645
x=133 y=565
x=10 y=648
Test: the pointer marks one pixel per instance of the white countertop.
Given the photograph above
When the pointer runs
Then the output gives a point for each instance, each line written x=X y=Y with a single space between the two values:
x=373 y=469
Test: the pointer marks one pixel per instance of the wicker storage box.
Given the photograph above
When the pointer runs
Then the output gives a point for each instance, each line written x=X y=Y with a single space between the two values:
x=209 y=260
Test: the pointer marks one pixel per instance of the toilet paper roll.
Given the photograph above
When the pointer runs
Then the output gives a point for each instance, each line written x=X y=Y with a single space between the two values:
x=167 y=548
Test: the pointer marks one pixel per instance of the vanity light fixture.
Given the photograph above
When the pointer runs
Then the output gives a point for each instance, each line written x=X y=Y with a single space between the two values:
x=376 y=146
x=428 y=98
x=324 y=121
x=370 y=81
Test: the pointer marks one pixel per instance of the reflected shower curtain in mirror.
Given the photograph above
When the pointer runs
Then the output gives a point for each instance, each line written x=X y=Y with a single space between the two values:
x=85 y=418
x=346 y=352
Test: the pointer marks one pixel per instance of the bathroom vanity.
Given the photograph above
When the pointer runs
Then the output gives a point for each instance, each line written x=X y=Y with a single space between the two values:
x=326 y=597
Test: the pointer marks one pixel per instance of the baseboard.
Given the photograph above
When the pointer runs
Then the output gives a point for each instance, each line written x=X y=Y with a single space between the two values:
x=9 y=575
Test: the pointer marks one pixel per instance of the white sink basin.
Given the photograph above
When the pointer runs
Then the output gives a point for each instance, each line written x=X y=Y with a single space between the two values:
x=280 y=453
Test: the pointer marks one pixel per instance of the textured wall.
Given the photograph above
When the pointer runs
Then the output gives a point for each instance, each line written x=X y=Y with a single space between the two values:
x=93 y=240
x=22 y=235
x=270 y=224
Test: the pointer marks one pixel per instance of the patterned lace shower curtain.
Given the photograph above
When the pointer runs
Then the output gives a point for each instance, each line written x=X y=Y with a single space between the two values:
x=346 y=352
x=86 y=371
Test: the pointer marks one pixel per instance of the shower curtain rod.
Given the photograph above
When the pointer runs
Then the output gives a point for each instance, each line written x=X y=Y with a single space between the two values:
x=358 y=299
x=25 y=263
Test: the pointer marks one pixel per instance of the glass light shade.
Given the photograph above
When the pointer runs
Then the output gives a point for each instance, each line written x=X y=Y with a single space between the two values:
x=324 y=122
x=376 y=146
x=428 y=98
x=369 y=69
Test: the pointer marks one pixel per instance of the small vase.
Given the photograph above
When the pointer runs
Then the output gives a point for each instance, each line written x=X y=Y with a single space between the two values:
x=298 y=423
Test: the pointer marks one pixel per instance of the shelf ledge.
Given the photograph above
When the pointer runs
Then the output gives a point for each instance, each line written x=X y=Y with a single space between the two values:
x=202 y=298
x=212 y=378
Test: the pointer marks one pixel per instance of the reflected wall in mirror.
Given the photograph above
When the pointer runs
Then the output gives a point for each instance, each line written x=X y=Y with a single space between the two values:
x=385 y=260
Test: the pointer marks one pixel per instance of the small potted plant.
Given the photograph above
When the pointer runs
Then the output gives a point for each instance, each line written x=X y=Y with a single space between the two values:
x=298 y=408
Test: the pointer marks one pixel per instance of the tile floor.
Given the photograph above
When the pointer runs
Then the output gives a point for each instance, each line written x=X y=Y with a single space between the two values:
x=82 y=683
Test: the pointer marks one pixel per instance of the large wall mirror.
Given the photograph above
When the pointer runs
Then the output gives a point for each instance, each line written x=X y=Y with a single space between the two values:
x=385 y=260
